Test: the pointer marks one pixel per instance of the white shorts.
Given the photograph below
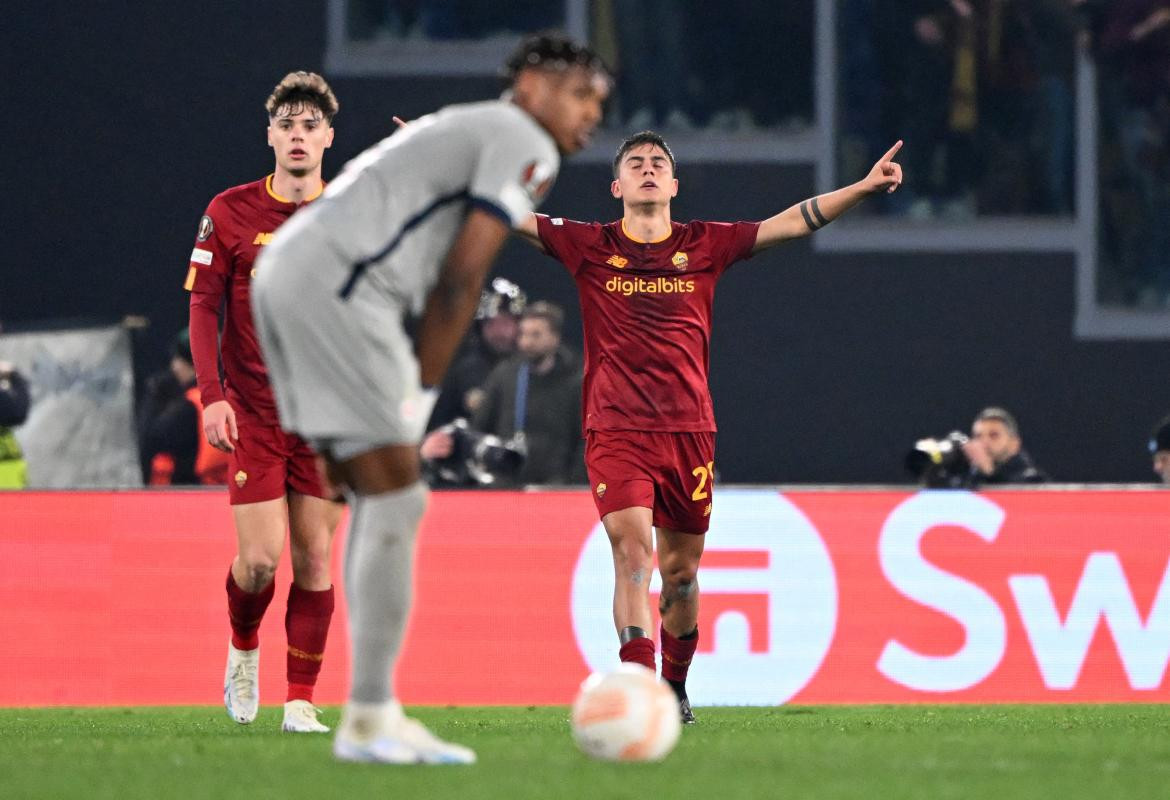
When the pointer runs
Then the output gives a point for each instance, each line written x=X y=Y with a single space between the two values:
x=343 y=371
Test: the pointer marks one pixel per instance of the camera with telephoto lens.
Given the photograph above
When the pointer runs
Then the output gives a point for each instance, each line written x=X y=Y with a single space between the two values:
x=940 y=463
x=14 y=396
x=477 y=458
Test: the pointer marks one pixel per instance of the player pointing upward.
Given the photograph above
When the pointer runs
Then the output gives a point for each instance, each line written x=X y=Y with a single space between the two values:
x=409 y=230
x=646 y=285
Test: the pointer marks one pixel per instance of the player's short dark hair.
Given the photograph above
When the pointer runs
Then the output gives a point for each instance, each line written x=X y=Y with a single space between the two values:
x=299 y=89
x=1000 y=415
x=552 y=50
x=639 y=139
x=549 y=312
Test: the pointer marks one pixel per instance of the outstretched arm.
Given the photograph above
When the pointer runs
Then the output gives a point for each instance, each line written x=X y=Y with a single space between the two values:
x=817 y=212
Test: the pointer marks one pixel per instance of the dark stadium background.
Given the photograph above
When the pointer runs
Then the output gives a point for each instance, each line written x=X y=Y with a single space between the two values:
x=124 y=120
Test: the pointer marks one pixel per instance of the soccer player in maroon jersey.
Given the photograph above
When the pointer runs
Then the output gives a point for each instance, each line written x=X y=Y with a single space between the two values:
x=273 y=480
x=646 y=285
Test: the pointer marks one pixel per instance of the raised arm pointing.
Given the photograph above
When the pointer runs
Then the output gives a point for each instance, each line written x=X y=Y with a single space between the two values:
x=817 y=212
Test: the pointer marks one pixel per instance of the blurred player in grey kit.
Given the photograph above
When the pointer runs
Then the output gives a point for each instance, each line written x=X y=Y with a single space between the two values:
x=408 y=231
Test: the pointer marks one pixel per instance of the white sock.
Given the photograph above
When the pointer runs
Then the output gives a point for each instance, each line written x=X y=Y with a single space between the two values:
x=379 y=565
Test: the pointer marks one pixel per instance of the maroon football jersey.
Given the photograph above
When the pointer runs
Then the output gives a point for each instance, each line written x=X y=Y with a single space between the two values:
x=237 y=223
x=646 y=309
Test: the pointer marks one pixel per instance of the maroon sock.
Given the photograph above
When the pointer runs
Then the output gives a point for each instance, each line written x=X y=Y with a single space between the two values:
x=307 y=626
x=245 y=610
x=639 y=651
x=677 y=654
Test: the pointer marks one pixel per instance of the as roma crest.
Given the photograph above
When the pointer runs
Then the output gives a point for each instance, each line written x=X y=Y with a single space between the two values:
x=679 y=260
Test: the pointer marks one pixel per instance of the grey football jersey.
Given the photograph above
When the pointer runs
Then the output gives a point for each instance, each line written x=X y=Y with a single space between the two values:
x=394 y=211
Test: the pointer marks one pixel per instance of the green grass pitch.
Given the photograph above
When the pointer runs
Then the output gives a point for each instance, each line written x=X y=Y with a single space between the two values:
x=996 y=752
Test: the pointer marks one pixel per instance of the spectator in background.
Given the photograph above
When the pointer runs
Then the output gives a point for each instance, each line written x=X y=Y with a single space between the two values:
x=751 y=63
x=1053 y=26
x=496 y=327
x=859 y=106
x=652 y=74
x=926 y=54
x=14 y=404
x=1025 y=61
x=1160 y=449
x=985 y=89
x=1133 y=47
x=171 y=445
x=449 y=19
x=733 y=66
x=537 y=395
x=996 y=453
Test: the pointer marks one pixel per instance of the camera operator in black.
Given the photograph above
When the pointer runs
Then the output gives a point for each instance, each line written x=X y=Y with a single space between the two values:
x=14 y=406
x=537 y=393
x=996 y=454
x=493 y=341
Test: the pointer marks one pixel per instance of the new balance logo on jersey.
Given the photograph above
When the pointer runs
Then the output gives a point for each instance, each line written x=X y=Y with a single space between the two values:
x=617 y=261
x=263 y=238
x=659 y=285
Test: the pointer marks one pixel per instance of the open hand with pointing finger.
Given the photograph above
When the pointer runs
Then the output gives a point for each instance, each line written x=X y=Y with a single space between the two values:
x=886 y=174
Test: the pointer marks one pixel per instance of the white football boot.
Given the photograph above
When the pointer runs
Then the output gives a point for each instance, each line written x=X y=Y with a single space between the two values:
x=241 y=684
x=383 y=734
x=300 y=716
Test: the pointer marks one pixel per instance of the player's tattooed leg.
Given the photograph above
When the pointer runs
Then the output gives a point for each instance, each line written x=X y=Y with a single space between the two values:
x=681 y=592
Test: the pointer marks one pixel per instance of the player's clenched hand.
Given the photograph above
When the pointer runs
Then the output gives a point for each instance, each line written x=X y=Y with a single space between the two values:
x=219 y=425
x=886 y=174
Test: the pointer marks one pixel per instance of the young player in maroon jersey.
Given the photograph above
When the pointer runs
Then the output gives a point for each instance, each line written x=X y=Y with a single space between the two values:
x=646 y=286
x=273 y=481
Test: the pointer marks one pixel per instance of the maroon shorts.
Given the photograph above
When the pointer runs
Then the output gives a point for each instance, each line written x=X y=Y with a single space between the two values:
x=268 y=463
x=669 y=473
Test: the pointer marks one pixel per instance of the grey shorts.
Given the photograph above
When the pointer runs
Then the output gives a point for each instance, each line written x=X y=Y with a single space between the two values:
x=343 y=371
